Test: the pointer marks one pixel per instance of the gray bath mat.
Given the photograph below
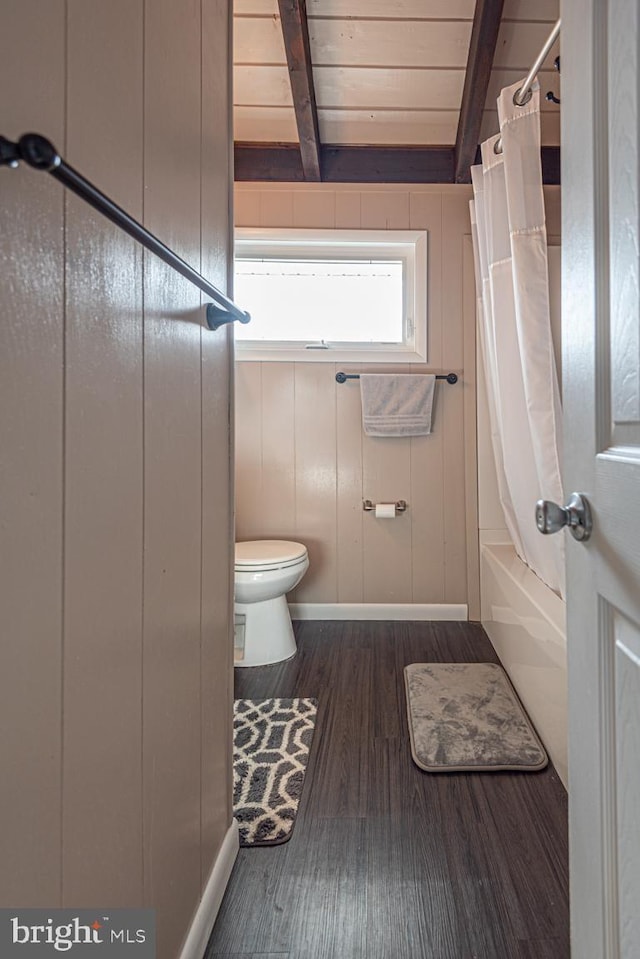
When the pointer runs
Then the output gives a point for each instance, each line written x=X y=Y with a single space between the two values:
x=271 y=742
x=466 y=717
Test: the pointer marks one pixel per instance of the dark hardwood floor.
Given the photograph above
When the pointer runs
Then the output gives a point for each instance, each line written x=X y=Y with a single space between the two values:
x=387 y=861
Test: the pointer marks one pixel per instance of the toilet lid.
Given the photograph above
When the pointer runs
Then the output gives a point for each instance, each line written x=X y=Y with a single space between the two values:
x=268 y=552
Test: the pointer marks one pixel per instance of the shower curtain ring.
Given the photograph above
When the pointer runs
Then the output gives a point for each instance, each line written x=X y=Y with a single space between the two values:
x=517 y=102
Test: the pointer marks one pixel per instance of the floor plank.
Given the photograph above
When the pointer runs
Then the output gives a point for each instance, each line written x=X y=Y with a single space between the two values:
x=543 y=948
x=386 y=860
x=253 y=955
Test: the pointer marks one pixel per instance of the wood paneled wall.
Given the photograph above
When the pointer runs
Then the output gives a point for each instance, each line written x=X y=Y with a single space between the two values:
x=303 y=465
x=115 y=485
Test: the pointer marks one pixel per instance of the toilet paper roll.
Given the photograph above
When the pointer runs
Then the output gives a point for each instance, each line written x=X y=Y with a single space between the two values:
x=385 y=510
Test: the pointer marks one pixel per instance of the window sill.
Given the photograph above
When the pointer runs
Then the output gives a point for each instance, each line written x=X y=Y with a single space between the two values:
x=333 y=355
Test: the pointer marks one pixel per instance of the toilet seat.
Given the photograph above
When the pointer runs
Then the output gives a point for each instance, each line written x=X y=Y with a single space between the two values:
x=268 y=554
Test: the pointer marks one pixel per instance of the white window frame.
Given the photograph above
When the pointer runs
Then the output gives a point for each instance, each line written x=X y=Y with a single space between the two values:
x=410 y=245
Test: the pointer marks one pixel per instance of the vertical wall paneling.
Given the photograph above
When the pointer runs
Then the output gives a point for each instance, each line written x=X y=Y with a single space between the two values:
x=386 y=543
x=103 y=490
x=427 y=481
x=277 y=503
x=384 y=211
x=386 y=478
x=425 y=213
x=314 y=210
x=455 y=549
x=248 y=445
x=172 y=369
x=427 y=514
x=246 y=208
x=428 y=555
x=116 y=482
x=32 y=95
x=217 y=469
x=276 y=209
x=470 y=432
x=315 y=452
x=455 y=223
x=350 y=493
x=347 y=211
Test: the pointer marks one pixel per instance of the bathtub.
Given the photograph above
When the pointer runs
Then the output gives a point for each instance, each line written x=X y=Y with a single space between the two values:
x=525 y=621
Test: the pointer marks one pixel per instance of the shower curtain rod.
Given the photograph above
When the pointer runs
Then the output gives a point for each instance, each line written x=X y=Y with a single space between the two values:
x=523 y=93
x=40 y=153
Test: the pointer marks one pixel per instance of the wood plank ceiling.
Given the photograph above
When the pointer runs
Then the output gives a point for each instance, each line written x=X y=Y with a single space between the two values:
x=382 y=90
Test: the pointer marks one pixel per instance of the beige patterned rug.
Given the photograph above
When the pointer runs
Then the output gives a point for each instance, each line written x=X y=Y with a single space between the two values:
x=466 y=717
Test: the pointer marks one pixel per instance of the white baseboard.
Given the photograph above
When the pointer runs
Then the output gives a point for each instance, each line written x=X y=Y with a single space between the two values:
x=400 y=612
x=198 y=936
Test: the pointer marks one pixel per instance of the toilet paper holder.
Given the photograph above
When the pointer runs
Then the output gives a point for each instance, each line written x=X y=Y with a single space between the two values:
x=400 y=505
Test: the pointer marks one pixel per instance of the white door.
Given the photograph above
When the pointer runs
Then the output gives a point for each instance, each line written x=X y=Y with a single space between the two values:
x=601 y=377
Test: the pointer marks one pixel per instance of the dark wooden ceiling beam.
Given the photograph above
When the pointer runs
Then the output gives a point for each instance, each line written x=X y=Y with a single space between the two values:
x=484 y=37
x=293 y=16
x=282 y=163
x=387 y=164
x=267 y=162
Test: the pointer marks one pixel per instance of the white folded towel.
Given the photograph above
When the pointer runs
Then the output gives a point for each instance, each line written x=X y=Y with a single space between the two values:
x=397 y=404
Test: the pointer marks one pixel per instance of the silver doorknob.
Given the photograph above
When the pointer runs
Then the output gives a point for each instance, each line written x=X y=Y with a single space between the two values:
x=550 y=518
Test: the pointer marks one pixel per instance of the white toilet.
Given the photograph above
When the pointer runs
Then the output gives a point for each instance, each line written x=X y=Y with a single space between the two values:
x=265 y=570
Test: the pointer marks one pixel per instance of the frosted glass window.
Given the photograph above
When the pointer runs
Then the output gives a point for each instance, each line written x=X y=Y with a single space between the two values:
x=357 y=294
x=339 y=301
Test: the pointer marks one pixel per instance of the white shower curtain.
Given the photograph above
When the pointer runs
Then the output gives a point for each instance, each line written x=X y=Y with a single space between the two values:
x=510 y=243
